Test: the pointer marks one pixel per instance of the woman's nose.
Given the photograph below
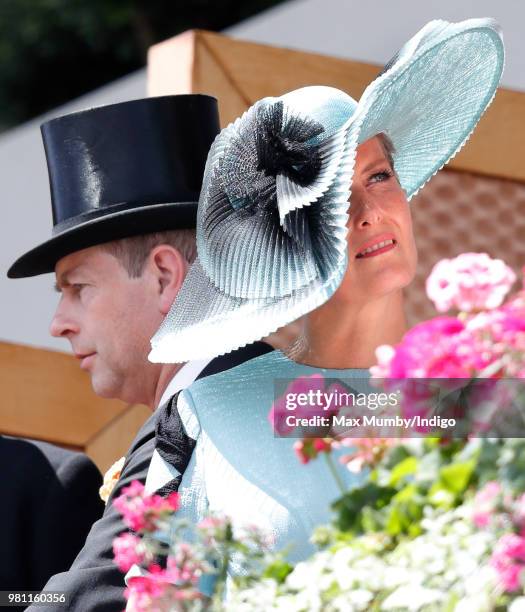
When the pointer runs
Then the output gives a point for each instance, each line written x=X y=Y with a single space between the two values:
x=365 y=212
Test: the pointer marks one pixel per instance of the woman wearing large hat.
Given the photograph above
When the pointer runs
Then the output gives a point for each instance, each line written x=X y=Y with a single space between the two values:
x=277 y=241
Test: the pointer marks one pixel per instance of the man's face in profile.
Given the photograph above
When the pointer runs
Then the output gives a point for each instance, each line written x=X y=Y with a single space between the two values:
x=109 y=318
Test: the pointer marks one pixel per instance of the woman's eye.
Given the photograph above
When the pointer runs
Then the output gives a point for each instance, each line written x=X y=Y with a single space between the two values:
x=379 y=177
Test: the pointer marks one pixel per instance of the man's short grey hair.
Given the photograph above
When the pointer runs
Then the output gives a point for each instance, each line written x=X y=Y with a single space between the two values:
x=132 y=253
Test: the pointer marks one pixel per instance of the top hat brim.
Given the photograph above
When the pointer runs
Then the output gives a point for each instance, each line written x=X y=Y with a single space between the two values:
x=122 y=224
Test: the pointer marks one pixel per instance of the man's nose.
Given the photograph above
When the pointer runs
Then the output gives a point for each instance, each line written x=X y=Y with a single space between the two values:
x=62 y=324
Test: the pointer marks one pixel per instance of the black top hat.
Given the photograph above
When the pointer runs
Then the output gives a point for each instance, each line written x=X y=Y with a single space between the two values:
x=122 y=170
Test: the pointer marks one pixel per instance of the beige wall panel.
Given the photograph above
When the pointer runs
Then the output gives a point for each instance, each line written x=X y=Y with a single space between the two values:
x=497 y=146
x=170 y=66
x=458 y=213
x=259 y=70
x=212 y=75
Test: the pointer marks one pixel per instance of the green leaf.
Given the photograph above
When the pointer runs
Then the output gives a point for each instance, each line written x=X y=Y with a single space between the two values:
x=396 y=455
x=407 y=467
x=456 y=477
x=428 y=468
x=349 y=508
x=395 y=522
x=441 y=497
x=278 y=570
x=405 y=511
x=331 y=592
x=372 y=519
x=452 y=483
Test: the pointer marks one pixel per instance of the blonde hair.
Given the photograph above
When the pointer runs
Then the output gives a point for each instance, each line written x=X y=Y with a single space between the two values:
x=388 y=148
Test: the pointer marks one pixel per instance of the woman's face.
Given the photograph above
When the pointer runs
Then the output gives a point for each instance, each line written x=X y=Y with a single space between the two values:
x=379 y=213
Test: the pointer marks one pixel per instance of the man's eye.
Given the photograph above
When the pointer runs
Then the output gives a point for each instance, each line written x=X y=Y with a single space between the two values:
x=379 y=177
x=77 y=287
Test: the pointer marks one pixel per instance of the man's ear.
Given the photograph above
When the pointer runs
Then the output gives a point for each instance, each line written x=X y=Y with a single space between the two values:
x=169 y=268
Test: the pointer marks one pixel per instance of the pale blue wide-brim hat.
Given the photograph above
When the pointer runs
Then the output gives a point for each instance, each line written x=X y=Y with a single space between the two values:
x=273 y=210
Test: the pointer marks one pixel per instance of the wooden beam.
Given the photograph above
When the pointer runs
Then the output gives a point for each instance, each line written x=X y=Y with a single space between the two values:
x=240 y=72
x=46 y=396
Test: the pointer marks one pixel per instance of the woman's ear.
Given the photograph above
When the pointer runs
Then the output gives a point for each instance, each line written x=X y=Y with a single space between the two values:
x=169 y=268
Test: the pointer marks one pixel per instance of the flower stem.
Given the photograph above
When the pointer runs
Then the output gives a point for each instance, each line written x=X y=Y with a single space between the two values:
x=335 y=474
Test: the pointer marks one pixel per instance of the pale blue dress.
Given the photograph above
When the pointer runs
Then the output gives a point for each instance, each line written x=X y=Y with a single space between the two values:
x=240 y=469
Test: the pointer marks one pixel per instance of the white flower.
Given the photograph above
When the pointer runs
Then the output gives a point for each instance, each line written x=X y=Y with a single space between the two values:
x=394 y=576
x=309 y=599
x=486 y=576
x=412 y=597
x=475 y=603
x=302 y=576
x=110 y=479
x=360 y=598
x=518 y=605
x=258 y=598
x=341 y=604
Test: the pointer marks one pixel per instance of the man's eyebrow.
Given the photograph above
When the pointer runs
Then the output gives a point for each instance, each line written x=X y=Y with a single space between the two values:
x=63 y=280
x=61 y=283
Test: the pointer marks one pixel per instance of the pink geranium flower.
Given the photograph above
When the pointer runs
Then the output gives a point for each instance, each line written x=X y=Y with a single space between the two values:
x=215 y=529
x=184 y=568
x=469 y=282
x=427 y=350
x=142 y=512
x=486 y=502
x=498 y=338
x=508 y=559
x=366 y=452
x=127 y=551
x=155 y=592
x=518 y=514
x=146 y=592
x=309 y=448
x=281 y=407
x=314 y=389
x=486 y=344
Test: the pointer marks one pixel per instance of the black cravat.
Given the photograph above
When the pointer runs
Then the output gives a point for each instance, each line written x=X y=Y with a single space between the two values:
x=172 y=442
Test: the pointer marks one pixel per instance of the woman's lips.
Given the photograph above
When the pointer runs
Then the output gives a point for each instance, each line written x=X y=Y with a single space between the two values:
x=384 y=249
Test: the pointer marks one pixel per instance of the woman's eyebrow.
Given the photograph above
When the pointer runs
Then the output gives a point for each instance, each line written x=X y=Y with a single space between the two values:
x=377 y=162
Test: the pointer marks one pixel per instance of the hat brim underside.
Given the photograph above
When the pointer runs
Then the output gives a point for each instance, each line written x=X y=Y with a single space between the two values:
x=122 y=224
x=220 y=323
x=429 y=102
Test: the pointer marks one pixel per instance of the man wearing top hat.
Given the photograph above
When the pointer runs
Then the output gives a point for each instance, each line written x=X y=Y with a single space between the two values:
x=125 y=182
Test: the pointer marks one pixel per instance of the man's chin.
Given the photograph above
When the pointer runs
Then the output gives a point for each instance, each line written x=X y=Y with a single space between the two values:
x=103 y=387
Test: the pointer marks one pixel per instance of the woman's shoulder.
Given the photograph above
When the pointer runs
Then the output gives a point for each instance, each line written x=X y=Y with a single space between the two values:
x=249 y=373
x=256 y=381
x=262 y=371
